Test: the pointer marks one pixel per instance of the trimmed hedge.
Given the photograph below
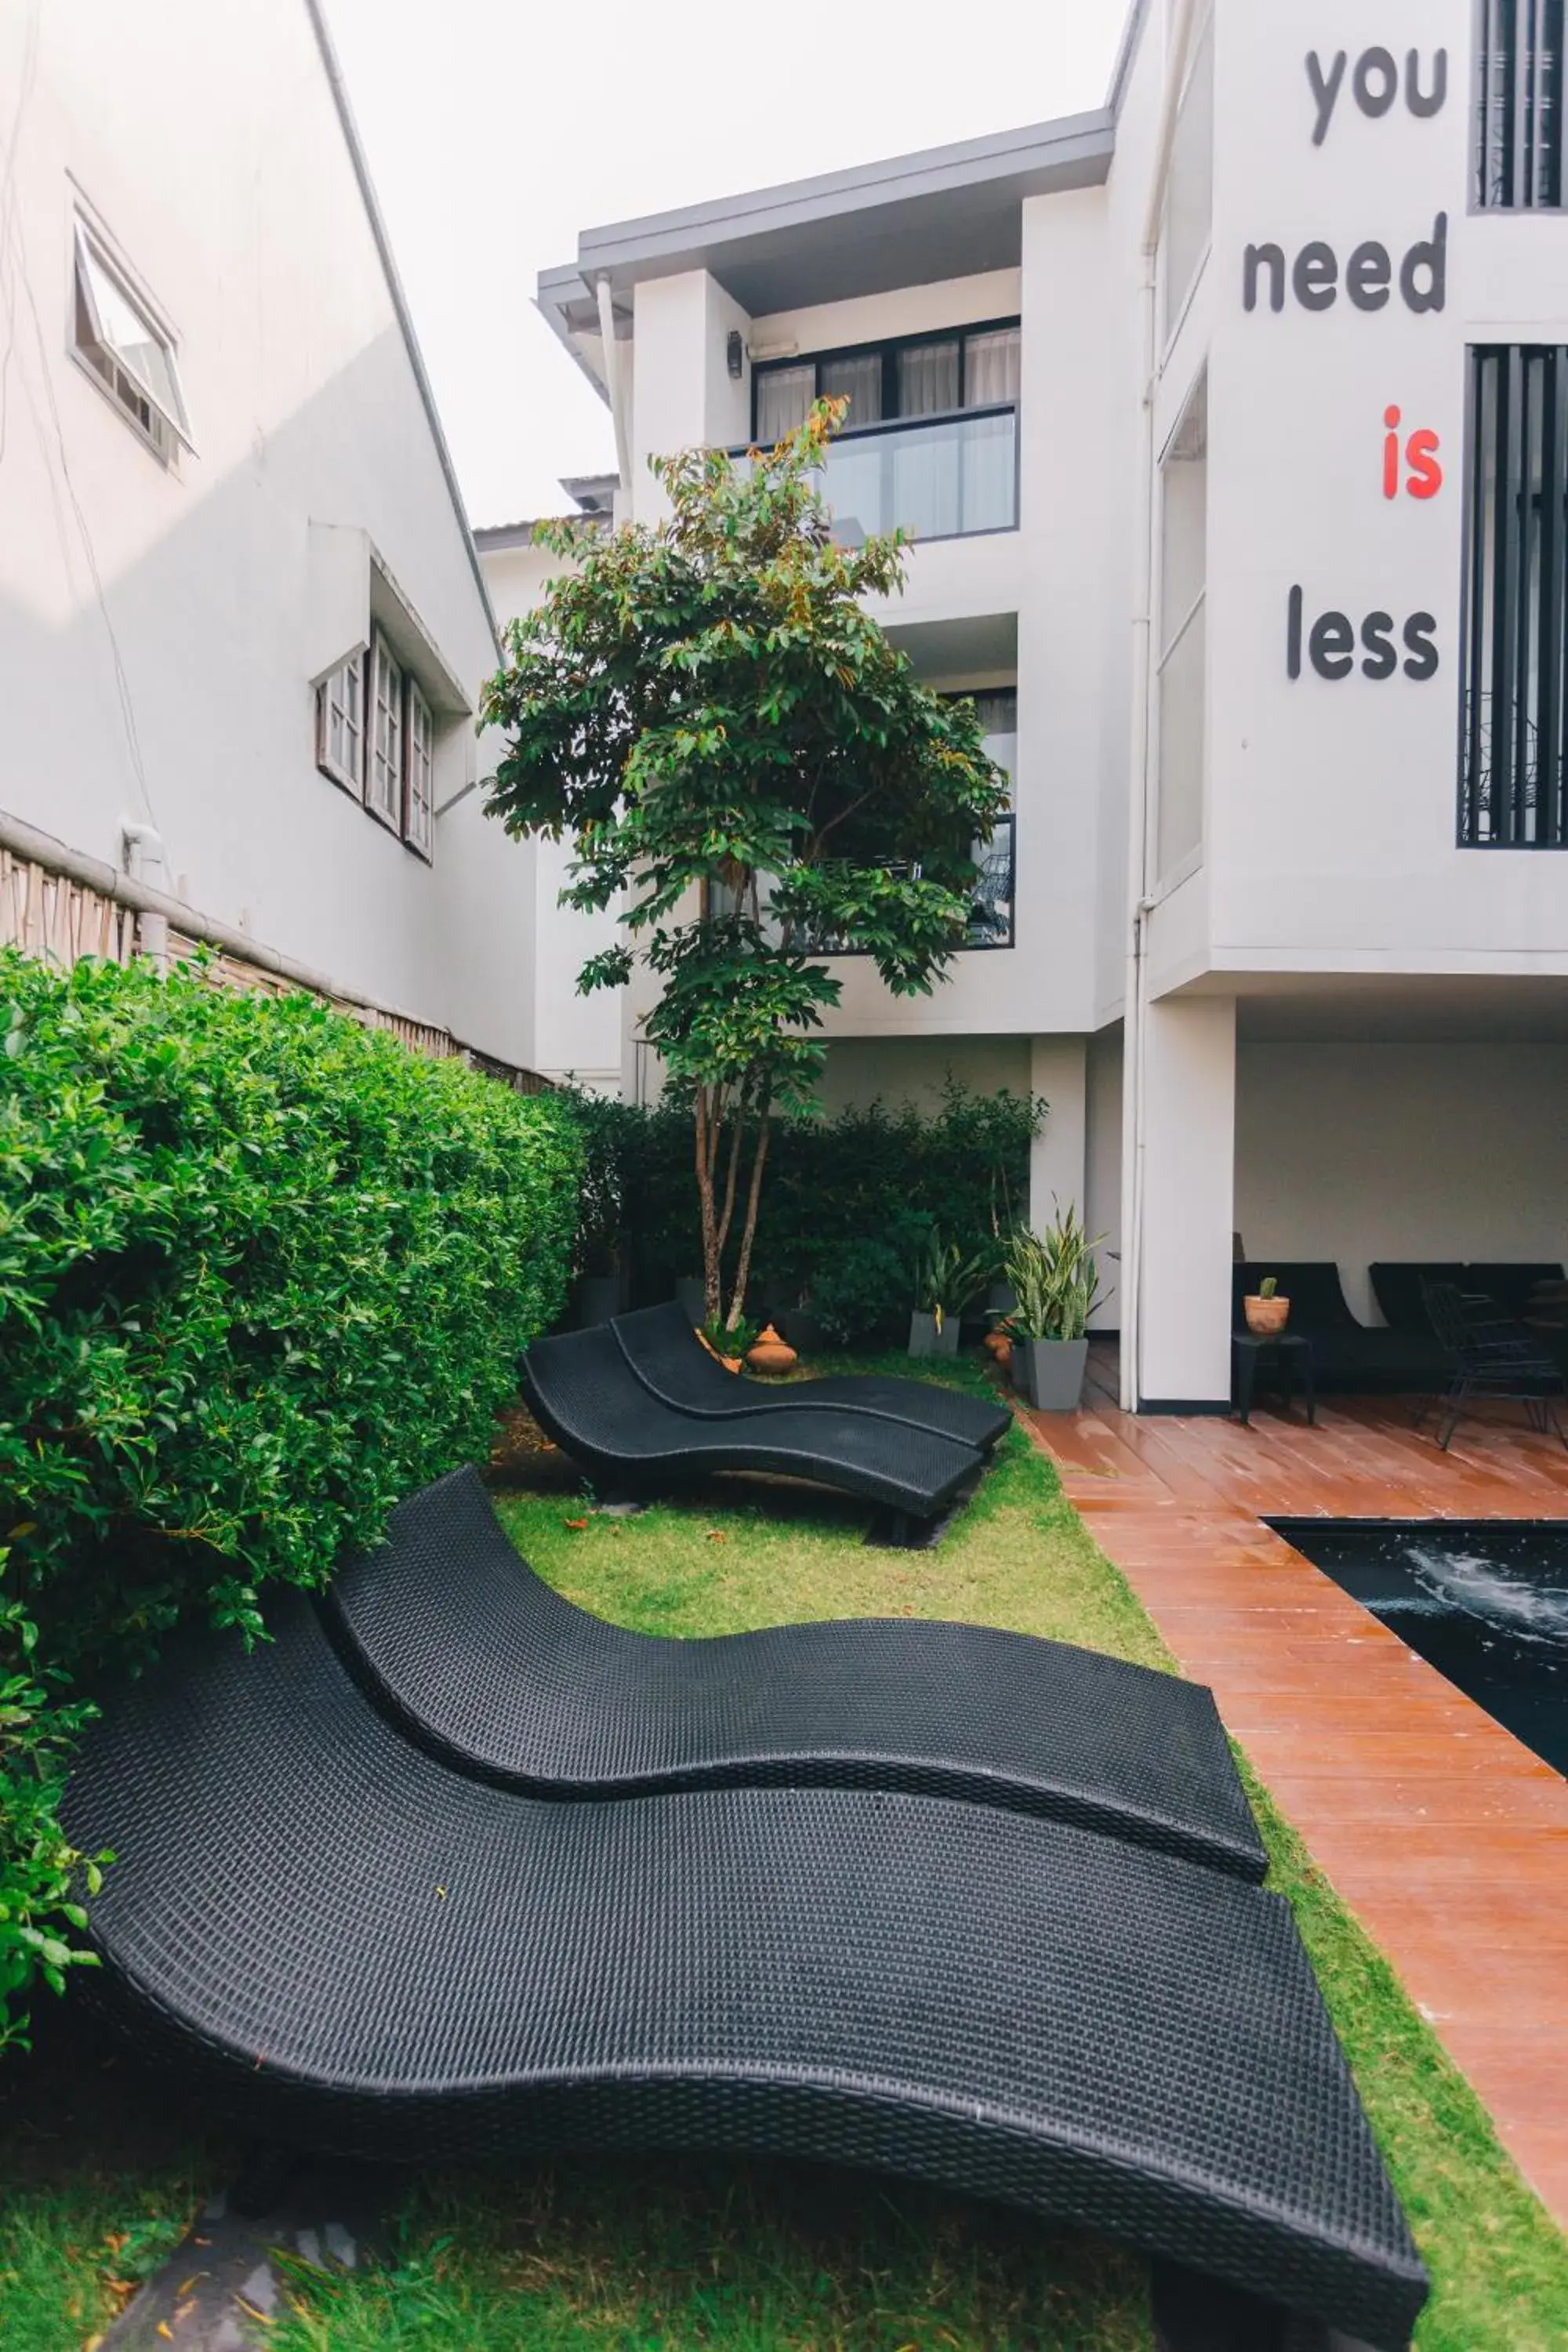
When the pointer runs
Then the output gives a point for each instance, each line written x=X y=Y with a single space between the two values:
x=848 y=1200
x=262 y=1273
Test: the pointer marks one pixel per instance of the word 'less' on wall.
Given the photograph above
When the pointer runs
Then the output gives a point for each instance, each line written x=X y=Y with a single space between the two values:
x=1332 y=642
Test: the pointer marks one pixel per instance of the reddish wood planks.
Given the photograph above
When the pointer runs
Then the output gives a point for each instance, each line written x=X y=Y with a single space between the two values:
x=1446 y=1837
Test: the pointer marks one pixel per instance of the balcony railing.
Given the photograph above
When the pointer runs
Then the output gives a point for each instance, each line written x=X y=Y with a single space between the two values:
x=991 y=911
x=935 y=476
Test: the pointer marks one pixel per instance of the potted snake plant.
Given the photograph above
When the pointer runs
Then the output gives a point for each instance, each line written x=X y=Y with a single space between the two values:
x=1055 y=1282
x=946 y=1282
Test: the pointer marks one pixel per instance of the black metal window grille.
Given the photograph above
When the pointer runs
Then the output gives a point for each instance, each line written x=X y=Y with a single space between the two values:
x=1519 y=92
x=1514 y=736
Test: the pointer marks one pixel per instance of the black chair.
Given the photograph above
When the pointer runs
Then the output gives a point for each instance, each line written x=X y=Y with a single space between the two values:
x=486 y=1666
x=584 y=1394
x=1490 y=1356
x=671 y=1362
x=343 y=1941
x=1398 y=1285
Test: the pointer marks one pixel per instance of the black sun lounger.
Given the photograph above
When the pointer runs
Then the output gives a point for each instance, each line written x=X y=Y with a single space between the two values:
x=669 y=1358
x=353 y=1946
x=488 y=1667
x=583 y=1392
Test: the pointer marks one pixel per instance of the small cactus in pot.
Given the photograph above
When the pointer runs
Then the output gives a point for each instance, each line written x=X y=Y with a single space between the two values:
x=1266 y=1313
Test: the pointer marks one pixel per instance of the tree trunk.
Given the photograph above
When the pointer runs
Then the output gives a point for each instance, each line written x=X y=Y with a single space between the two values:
x=705 y=1143
x=753 y=1201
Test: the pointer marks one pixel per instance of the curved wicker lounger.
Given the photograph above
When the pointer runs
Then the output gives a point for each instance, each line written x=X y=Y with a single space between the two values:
x=583 y=1392
x=668 y=1357
x=485 y=1664
x=367 y=1950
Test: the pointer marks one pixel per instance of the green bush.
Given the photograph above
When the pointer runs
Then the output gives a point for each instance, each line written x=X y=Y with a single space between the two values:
x=849 y=1202
x=262 y=1273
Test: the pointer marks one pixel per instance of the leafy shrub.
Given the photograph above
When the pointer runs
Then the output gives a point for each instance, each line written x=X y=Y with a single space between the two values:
x=849 y=1202
x=262 y=1273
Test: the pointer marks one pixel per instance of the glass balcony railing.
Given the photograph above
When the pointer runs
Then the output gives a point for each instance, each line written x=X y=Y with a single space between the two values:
x=991 y=922
x=935 y=476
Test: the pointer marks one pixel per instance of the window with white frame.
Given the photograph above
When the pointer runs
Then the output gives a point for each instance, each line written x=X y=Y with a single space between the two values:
x=1187 y=224
x=375 y=736
x=384 y=775
x=1182 y=671
x=419 y=760
x=340 y=725
x=116 y=335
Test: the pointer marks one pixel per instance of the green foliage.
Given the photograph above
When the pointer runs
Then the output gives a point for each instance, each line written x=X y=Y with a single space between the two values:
x=1054 y=1279
x=850 y=1200
x=262 y=1272
x=1270 y=1286
x=742 y=757
x=948 y=1278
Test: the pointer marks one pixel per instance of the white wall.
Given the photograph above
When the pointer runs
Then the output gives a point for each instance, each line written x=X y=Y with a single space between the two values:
x=574 y=1037
x=1102 y=1212
x=1333 y=803
x=915 y=1069
x=154 y=622
x=1359 y=1153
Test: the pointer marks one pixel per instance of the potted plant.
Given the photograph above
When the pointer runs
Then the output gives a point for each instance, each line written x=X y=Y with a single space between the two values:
x=1056 y=1281
x=1266 y=1313
x=945 y=1283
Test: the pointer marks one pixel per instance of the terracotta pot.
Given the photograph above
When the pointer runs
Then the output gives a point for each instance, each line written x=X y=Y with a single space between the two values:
x=997 y=1344
x=771 y=1354
x=1266 y=1317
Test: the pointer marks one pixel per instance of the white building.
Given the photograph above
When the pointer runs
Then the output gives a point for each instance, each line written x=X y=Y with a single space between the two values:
x=1233 y=424
x=243 y=629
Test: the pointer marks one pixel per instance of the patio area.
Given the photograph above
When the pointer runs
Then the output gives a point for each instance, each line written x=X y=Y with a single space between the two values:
x=1445 y=1836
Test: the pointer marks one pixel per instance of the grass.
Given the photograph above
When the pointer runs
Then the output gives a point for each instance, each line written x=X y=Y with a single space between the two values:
x=617 y=2256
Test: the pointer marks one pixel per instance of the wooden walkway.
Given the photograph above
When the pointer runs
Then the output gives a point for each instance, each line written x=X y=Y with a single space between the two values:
x=1447 y=1838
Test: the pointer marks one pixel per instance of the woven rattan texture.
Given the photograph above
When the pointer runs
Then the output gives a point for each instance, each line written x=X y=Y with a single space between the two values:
x=367 y=1948
x=586 y=1394
x=668 y=1357
x=489 y=1666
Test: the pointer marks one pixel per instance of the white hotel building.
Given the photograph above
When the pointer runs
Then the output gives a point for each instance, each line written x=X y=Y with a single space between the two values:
x=1232 y=422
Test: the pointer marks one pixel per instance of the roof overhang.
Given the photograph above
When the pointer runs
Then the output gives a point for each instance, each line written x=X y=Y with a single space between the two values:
x=947 y=212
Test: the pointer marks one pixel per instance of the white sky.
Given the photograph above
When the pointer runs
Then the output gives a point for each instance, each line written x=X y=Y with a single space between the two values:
x=498 y=128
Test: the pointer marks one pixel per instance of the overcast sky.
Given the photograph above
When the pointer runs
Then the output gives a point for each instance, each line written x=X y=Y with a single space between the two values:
x=498 y=128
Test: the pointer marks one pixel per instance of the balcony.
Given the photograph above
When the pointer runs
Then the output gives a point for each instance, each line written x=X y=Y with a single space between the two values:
x=991 y=912
x=951 y=477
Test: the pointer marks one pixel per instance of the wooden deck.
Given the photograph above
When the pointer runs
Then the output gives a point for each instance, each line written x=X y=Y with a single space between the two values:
x=1445 y=1836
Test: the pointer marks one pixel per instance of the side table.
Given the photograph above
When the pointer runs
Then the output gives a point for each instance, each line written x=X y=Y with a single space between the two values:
x=1292 y=1351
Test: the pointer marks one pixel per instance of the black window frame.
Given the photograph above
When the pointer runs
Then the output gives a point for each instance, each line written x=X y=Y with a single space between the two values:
x=888 y=349
x=1519 y=92
x=1529 y=788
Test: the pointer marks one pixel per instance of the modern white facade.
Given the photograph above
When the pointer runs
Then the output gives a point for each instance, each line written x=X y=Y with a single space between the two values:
x=224 y=503
x=1289 y=943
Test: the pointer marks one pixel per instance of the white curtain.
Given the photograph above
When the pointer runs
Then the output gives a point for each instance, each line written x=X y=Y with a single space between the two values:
x=991 y=367
x=858 y=380
x=928 y=379
x=784 y=399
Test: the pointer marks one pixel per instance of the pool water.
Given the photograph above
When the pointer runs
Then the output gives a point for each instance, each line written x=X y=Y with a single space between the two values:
x=1484 y=1600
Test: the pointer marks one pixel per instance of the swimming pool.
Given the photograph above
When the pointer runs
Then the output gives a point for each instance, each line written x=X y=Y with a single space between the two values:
x=1484 y=1600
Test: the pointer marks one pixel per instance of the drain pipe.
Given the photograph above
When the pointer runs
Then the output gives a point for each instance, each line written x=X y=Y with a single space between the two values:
x=1140 y=793
x=142 y=847
x=614 y=383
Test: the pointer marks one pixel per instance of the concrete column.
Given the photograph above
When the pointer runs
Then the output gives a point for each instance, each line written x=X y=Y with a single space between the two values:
x=1189 y=1185
x=1058 y=1158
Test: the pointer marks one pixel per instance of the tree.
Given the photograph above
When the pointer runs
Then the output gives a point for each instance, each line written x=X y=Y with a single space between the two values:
x=741 y=755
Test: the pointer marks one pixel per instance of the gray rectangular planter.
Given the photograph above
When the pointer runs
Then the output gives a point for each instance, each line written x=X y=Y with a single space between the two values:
x=925 y=1340
x=1049 y=1372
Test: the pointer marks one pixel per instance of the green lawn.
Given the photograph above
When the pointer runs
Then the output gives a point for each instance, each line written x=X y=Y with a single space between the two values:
x=619 y=2256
